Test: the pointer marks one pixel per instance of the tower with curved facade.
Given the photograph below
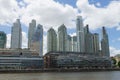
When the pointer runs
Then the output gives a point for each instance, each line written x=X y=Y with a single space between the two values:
x=31 y=31
x=51 y=40
x=62 y=38
x=37 y=40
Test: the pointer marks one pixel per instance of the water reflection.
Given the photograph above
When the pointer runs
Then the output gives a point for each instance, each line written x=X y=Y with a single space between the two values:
x=114 y=75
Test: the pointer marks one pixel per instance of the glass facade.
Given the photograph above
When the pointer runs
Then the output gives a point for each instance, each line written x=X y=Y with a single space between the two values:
x=89 y=46
x=37 y=40
x=80 y=34
x=62 y=38
x=75 y=60
x=74 y=43
x=16 y=35
x=105 y=43
x=51 y=40
x=18 y=62
x=31 y=31
x=69 y=43
x=96 y=43
x=3 y=39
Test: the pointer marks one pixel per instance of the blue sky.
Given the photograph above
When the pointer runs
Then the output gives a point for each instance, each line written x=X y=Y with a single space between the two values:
x=73 y=2
x=53 y=13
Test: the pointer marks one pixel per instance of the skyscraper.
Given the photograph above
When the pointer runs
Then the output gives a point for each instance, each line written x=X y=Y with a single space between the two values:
x=62 y=38
x=3 y=39
x=37 y=40
x=69 y=43
x=51 y=40
x=80 y=34
x=88 y=40
x=74 y=43
x=96 y=43
x=31 y=31
x=105 y=43
x=16 y=35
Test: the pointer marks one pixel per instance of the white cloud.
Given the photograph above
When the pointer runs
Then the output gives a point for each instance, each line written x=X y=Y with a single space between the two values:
x=118 y=39
x=73 y=34
x=8 y=11
x=114 y=51
x=98 y=4
x=98 y=17
x=118 y=27
x=48 y=13
x=22 y=4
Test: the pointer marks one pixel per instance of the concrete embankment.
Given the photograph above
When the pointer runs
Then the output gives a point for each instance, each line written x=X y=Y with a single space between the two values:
x=58 y=70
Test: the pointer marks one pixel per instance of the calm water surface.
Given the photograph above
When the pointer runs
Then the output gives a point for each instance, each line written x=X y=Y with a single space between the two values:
x=113 y=75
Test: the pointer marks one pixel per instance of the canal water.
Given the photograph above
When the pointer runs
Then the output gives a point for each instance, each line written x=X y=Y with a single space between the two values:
x=112 y=75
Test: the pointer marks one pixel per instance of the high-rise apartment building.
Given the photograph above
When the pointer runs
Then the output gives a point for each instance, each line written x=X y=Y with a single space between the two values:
x=16 y=35
x=51 y=40
x=96 y=43
x=31 y=31
x=3 y=39
x=62 y=38
x=74 y=44
x=105 y=43
x=88 y=40
x=69 y=43
x=80 y=34
x=37 y=40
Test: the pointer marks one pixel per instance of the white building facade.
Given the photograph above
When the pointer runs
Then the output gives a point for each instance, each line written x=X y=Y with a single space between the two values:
x=51 y=40
x=16 y=35
x=62 y=38
x=31 y=31
x=74 y=44
x=96 y=43
x=80 y=34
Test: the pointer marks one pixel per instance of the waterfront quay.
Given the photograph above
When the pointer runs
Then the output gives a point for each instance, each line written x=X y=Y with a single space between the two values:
x=54 y=61
x=57 y=70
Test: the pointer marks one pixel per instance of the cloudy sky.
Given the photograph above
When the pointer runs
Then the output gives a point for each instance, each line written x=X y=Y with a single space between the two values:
x=53 y=13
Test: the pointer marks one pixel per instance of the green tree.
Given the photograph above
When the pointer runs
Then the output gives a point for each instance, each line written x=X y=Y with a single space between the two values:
x=119 y=64
x=114 y=61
